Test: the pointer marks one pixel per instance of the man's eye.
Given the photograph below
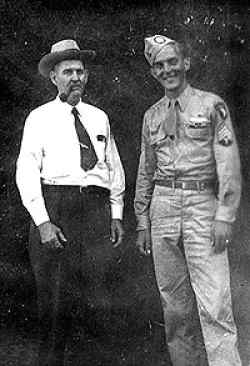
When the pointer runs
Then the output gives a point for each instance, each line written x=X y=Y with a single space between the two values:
x=174 y=61
x=159 y=65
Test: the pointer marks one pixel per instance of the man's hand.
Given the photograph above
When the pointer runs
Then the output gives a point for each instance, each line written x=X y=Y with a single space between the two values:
x=117 y=232
x=51 y=235
x=143 y=241
x=222 y=235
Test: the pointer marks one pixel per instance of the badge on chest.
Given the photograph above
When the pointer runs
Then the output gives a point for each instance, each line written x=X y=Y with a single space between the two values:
x=198 y=127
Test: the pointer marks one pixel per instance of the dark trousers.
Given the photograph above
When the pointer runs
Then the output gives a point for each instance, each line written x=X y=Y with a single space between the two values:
x=76 y=274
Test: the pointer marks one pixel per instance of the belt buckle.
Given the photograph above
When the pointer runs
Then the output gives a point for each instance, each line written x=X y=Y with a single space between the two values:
x=81 y=189
x=199 y=186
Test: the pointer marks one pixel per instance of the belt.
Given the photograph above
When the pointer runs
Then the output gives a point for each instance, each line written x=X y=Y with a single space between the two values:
x=84 y=190
x=186 y=185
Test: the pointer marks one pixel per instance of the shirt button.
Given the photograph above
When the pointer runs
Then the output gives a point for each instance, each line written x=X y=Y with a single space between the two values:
x=172 y=137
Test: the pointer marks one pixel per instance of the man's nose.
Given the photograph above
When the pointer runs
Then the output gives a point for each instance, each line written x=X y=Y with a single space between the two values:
x=167 y=68
x=75 y=76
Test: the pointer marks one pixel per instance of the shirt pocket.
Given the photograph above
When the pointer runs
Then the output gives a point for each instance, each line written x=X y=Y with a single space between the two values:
x=163 y=148
x=160 y=139
x=198 y=128
x=100 y=148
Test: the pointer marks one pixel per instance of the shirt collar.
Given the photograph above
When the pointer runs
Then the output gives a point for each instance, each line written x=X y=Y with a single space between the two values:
x=183 y=98
x=67 y=107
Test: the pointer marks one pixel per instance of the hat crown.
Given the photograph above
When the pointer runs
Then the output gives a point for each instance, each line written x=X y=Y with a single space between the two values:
x=66 y=44
x=66 y=49
x=153 y=45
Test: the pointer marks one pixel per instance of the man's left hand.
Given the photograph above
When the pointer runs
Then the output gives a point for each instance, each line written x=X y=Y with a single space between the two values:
x=117 y=232
x=222 y=235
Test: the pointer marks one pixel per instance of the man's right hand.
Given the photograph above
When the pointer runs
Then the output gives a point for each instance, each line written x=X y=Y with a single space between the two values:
x=51 y=235
x=143 y=242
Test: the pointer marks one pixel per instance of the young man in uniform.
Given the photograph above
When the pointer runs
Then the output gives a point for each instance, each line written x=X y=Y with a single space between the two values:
x=187 y=193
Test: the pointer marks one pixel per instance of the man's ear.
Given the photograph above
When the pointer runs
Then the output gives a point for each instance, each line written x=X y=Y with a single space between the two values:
x=187 y=63
x=52 y=76
x=86 y=76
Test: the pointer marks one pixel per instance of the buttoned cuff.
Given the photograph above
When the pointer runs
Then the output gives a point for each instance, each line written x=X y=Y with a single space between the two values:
x=143 y=222
x=116 y=211
x=225 y=213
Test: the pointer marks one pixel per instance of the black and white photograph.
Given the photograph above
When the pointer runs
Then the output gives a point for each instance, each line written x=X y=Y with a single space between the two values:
x=124 y=183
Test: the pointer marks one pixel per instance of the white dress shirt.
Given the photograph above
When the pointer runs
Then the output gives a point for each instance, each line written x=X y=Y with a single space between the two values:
x=50 y=153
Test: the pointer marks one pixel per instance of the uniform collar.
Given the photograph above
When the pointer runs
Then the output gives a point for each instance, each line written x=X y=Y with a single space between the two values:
x=183 y=98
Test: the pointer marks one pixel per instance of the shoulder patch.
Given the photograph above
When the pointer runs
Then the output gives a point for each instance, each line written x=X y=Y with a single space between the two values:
x=225 y=136
x=220 y=108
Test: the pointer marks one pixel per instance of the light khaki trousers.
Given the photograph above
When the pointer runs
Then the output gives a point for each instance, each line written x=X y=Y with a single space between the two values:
x=181 y=228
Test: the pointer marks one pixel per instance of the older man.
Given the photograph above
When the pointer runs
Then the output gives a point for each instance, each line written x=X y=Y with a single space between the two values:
x=187 y=193
x=71 y=181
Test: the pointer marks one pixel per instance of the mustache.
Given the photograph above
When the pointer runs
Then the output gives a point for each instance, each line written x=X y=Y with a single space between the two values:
x=75 y=84
x=64 y=96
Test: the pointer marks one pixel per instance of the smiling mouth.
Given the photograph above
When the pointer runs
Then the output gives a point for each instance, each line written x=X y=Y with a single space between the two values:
x=172 y=78
x=169 y=77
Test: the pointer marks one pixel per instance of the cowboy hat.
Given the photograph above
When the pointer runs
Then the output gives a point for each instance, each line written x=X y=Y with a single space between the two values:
x=67 y=49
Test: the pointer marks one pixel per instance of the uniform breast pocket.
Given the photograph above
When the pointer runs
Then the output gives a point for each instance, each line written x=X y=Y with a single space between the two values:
x=198 y=129
x=160 y=142
x=163 y=150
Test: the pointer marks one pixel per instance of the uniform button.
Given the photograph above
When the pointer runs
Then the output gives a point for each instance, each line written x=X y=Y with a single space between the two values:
x=172 y=137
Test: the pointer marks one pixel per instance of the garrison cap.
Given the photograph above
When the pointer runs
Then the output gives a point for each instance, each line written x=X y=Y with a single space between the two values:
x=153 y=45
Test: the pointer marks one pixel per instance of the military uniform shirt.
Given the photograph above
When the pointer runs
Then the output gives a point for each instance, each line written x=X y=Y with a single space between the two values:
x=201 y=146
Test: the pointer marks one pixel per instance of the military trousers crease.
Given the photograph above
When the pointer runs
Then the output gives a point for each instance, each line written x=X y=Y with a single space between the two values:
x=192 y=277
x=74 y=277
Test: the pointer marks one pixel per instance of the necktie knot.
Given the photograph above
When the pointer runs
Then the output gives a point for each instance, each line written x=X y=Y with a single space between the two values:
x=173 y=103
x=75 y=112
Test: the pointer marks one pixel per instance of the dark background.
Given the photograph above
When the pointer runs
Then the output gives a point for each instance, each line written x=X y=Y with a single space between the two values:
x=120 y=83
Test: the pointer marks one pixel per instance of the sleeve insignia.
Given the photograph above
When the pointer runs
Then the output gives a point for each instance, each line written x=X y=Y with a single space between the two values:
x=221 y=110
x=225 y=136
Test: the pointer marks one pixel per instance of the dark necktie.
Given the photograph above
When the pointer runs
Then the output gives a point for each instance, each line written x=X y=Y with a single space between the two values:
x=173 y=125
x=88 y=154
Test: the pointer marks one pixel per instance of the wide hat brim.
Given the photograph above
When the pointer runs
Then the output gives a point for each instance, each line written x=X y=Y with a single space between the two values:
x=48 y=61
